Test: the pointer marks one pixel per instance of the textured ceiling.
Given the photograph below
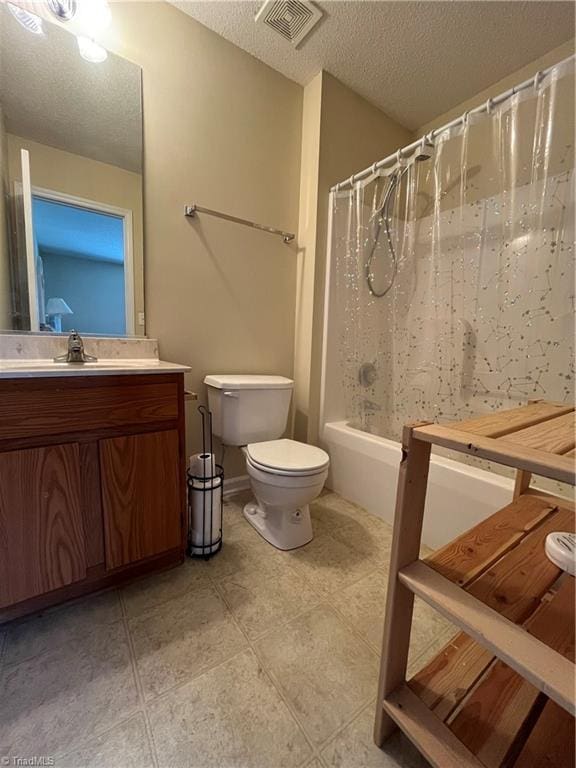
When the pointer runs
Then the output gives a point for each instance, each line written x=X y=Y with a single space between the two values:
x=414 y=60
x=51 y=95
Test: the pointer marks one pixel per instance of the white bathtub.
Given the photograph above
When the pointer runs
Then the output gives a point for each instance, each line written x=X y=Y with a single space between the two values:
x=364 y=469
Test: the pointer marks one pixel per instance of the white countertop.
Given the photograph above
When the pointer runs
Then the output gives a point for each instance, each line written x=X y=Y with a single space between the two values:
x=19 y=369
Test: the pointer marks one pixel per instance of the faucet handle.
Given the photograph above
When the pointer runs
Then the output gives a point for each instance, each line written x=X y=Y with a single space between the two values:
x=75 y=339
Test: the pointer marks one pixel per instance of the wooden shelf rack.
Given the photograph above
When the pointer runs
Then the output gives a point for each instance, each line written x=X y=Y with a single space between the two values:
x=501 y=694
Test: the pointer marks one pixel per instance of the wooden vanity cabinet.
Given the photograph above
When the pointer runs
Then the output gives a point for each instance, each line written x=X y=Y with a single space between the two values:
x=92 y=484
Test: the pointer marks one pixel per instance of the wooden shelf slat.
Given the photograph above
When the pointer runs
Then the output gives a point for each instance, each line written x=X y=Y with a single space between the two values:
x=514 y=585
x=427 y=732
x=447 y=678
x=544 y=668
x=553 y=435
x=504 y=422
x=549 y=498
x=551 y=743
x=550 y=465
x=467 y=556
x=498 y=711
x=495 y=714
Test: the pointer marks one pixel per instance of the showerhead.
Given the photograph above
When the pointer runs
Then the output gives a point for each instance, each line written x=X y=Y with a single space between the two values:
x=424 y=151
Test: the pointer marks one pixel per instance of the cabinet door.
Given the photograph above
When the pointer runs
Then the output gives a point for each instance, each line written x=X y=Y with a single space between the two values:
x=141 y=496
x=41 y=530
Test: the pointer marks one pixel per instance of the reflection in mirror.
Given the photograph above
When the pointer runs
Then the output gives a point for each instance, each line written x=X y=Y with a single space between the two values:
x=71 y=242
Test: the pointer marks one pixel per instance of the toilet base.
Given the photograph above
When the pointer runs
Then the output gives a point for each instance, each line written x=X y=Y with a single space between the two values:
x=284 y=530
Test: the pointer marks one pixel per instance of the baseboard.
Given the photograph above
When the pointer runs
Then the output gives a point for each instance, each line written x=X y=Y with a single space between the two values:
x=235 y=484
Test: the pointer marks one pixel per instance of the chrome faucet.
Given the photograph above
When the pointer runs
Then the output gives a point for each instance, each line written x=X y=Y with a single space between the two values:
x=75 y=353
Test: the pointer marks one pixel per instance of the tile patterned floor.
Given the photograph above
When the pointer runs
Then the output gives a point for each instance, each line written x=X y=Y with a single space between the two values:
x=256 y=659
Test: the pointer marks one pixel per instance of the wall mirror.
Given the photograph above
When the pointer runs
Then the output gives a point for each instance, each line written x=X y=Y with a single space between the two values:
x=71 y=230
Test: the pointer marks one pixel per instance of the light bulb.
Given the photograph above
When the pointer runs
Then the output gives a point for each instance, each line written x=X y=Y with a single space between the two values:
x=91 y=51
x=26 y=19
x=94 y=16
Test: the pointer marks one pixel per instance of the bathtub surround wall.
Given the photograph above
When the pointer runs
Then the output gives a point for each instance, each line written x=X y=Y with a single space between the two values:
x=332 y=393
x=342 y=133
x=479 y=313
x=354 y=134
x=223 y=130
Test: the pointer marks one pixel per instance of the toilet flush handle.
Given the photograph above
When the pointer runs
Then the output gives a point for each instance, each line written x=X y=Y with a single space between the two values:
x=230 y=394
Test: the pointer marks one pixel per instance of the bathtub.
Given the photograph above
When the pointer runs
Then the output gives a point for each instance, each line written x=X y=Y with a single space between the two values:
x=364 y=469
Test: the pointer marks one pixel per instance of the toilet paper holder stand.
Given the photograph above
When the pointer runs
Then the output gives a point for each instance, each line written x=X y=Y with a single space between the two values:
x=205 y=497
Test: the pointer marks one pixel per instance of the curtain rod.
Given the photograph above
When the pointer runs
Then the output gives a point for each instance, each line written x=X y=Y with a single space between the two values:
x=428 y=137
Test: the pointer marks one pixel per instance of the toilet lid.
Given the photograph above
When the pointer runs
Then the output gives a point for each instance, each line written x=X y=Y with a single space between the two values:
x=288 y=455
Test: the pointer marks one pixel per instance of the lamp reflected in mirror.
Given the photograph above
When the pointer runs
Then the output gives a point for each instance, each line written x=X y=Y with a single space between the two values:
x=55 y=308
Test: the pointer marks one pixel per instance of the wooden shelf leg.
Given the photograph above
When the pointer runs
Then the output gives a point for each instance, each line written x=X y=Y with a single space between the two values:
x=523 y=476
x=522 y=482
x=408 y=518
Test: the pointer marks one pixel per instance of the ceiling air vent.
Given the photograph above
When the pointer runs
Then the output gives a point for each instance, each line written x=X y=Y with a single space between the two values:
x=293 y=19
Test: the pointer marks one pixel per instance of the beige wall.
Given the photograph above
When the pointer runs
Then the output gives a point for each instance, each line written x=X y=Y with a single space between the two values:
x=223 y=130
x=89 y=179
x=219 y=297
x=490 y=170
x=307 y=233
x=353 y=134
x=5 y=289
x=517 y=77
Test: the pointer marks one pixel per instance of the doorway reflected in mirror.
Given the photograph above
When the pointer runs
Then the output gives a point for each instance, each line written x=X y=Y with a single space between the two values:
x=85 y=262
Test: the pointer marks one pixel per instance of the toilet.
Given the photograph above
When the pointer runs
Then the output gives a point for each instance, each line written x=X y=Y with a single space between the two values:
x=251 y=412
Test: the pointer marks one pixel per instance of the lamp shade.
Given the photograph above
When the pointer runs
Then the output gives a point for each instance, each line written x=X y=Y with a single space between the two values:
x=57 y=306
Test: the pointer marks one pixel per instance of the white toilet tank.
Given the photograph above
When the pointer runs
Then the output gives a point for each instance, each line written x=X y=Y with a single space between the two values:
x=247 y=408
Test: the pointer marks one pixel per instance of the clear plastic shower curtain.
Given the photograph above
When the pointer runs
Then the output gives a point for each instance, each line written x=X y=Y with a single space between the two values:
x=477 y=271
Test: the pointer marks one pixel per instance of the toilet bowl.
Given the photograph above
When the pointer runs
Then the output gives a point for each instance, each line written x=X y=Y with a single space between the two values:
x=251 y=412
x=285 y=476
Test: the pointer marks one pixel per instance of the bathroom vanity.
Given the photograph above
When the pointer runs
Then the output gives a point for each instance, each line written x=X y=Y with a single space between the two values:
x=92 y=478
x=92 y=467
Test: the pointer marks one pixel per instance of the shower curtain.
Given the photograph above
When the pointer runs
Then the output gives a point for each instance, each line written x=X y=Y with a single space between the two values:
x=477 y=271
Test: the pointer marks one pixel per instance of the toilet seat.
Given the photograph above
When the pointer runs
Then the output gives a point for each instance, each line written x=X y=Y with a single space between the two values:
x=287 y=457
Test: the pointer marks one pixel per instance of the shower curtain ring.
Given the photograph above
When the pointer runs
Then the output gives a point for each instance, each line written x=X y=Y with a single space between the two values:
x=489 y=105
x=537 y=78
x=465 y=117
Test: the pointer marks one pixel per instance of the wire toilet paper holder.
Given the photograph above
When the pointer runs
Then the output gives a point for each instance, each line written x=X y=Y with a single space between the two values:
x=205 y=498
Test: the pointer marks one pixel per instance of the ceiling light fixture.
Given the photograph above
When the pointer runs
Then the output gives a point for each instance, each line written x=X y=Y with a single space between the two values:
x=26 y=19
x=94 y=16
x=91 y=51
x=64 y=10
